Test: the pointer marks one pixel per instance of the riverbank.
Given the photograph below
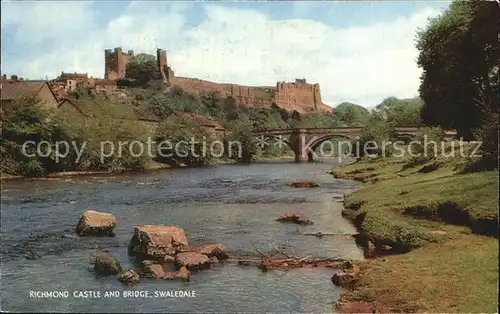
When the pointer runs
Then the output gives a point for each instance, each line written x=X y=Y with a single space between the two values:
x=150 y=166
x=444 y=221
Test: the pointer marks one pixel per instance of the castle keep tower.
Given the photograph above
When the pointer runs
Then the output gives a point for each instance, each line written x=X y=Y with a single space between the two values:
x=166 y=72
x=298 y=94
x=116 y=63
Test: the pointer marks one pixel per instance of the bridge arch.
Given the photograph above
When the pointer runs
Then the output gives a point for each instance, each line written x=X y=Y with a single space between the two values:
x=278 y=139
x=317 y=142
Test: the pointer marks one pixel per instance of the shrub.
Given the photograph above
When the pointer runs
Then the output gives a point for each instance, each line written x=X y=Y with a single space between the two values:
x=188 y=143
x=23 y=121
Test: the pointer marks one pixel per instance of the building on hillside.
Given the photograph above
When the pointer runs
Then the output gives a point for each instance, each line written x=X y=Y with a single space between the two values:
x=13 y=90
x=212 y=127
x=105 y=86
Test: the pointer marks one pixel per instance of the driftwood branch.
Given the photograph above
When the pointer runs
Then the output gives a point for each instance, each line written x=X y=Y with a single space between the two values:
x=266 y=261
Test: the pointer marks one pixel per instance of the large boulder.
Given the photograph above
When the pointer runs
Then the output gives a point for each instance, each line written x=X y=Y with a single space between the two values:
x=106 y=264
x=192 y=260
x=151 y=269
x=94 y=223
x=304 y=184
x=182 y=274
x=130 y=277
x=212 y=250
x=157 y=242
x=295 y=217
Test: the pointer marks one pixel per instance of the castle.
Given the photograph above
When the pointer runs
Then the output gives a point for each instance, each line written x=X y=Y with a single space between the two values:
x=298 y=95
x=115 y=64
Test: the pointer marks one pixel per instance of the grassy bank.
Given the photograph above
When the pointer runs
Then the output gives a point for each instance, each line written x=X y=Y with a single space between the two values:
x=446 y=222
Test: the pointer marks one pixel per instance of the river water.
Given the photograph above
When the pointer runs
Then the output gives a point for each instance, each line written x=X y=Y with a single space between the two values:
x=233 y=205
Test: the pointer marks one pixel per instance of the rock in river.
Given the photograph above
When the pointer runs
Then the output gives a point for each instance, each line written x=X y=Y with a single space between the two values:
x=192 y=260
x=295 y=217
x=94 y=223
x=130 y=277
x=151 y=269
x=106 y=264
x=212 y=250
x=157 y=242
x=304 y=184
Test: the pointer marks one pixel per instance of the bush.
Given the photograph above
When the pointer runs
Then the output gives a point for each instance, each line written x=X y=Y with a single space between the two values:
x=244 y=142
x=24 y=121
x=99 y=131
x=378 y=132
x=425 y=150
x=186 y=144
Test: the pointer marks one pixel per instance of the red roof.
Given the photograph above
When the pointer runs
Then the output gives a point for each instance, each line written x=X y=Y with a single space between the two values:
x=104 y=82
x=16 y=89
x=73 y=75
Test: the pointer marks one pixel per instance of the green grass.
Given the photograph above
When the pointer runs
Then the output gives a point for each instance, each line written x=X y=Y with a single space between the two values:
x=435 y=217
x=106 y=109
x=263 y=94
x=458 y=274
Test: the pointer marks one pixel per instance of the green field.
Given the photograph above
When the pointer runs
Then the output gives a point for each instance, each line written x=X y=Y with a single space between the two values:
x=446 y=223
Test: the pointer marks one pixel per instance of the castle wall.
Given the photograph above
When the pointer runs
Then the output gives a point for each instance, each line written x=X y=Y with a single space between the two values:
x=245 y=95
x=300 y=96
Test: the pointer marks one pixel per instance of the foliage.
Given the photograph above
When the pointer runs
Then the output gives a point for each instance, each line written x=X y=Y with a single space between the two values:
x=318 y=120
x=401 y=112
x=487 y=133
x=23 y=121
x=374 y=137
x=164 y=104
x=214 y=105
x=241 y=144
x=142 y=68
x=184 y=143
x=102 y=137
x=351 y=114
x=459 y=57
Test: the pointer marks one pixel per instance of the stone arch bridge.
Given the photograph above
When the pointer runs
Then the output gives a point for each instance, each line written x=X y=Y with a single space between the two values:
x=303 y=141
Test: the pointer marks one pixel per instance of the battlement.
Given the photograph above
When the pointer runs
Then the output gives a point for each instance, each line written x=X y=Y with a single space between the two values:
x=298 y=94
x=115 y=63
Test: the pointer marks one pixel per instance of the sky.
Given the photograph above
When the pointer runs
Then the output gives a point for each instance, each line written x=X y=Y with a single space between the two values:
x=361 y=52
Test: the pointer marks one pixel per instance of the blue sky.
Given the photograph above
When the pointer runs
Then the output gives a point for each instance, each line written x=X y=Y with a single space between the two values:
x=358 y=51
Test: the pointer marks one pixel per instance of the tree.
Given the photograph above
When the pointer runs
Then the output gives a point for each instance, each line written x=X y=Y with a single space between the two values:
x=184 y=143
x=26 y=120
x=241 y=144
x=403 y=112
x=142 y=68
x=459 y=57
x=351 y=114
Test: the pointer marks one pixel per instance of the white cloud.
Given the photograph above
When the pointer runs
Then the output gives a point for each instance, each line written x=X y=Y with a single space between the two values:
x=357 y=64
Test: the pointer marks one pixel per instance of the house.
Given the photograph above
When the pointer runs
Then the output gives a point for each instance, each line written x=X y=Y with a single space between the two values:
x=13 y=90
x=105 y=86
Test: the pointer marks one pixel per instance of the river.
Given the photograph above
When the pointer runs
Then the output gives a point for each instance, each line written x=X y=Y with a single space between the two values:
x=233 y=205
